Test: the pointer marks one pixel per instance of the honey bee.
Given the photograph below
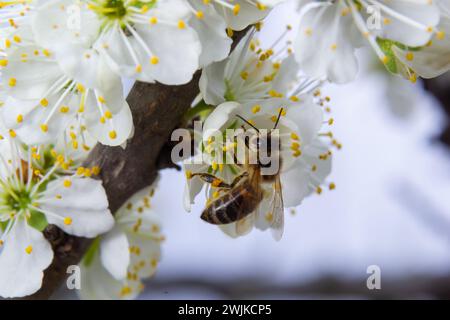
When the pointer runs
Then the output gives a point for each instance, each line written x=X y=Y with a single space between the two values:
x=244 y=195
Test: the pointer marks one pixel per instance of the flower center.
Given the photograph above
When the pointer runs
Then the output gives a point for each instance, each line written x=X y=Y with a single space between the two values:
x=18 y=200
x=114 y=9
x=110 y=9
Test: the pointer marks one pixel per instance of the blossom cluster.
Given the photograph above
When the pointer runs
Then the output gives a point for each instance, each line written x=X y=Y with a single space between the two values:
x=62 y=67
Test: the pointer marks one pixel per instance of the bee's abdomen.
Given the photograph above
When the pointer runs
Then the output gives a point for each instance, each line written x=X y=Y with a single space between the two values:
x=233 y=206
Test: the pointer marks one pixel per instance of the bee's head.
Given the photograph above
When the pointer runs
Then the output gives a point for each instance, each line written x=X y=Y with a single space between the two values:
x=262 y=143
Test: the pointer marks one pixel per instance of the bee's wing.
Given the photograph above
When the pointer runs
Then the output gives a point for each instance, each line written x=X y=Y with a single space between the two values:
x=245 y=224
x=277 y=225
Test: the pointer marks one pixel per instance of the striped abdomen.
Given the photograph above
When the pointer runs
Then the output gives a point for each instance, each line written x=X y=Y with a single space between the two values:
x=235 y=205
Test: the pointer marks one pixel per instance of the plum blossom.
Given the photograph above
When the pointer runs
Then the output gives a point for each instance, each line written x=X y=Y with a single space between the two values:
x=119 y=260
x=238 y=14
x=306 y=159
x=146 y=40
x=432 y=60
x=34 y=192
x=45 y=96
x=330 y=31
x=249 y=73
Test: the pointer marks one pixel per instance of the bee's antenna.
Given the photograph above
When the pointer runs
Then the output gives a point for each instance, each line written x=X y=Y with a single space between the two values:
x=247 y=122
x=278 y=118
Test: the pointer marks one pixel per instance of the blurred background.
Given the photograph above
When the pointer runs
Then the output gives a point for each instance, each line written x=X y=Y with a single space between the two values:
x=391 y=207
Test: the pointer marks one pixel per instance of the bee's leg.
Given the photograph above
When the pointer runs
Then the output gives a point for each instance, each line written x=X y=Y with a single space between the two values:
x=238 y=178
x=213 y=180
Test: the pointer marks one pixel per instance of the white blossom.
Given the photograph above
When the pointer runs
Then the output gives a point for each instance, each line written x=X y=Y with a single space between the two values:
x=34 y=192
x=434 y=59
x=249 y=73
x=118 y=261
x=330 y=31
x=45 y=94
x=146 y=40
x=306 y=160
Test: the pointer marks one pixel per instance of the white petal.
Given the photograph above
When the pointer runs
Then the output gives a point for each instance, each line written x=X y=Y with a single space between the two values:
x=121 y=123
x=211 y=31
x=98 y=284
x=84 y=202
x=114 y=253
x=430 y=61
x=33 y=115
x=57 y=24
x=425 y=13
x=21 y=273
x=300 y=181
x=212 y=83
x=32 y=76
x=88 y=67
x=248 y=14
x=219 y=118
x=322 y=46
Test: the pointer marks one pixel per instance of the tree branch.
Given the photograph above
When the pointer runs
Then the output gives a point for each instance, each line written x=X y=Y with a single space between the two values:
x=157 y=110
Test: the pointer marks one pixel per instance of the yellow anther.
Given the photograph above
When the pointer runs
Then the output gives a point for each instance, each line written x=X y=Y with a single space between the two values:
x=67 y=183
x=199 y=14
x=236 y=9
x=181 y=24
x=154 y=60
x=108 y=115
x=44 y=127
x=29 y=249
x=67 y=221
x=410 y=56
x=64 y=109
x=256 y=108
x=12 y=82
x=113 y=134
x=44 y=102
x=297 y=153
x=153 y=20
x=96 y=170
x=295 y=146
x=144 y=9
x=80 y=88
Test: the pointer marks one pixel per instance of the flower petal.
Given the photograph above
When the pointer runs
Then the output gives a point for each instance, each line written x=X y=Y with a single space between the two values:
x=22 y=272
x=114 y=253
x=78 y=206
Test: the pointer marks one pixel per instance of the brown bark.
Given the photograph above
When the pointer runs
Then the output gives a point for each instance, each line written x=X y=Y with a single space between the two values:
x=157 y=110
